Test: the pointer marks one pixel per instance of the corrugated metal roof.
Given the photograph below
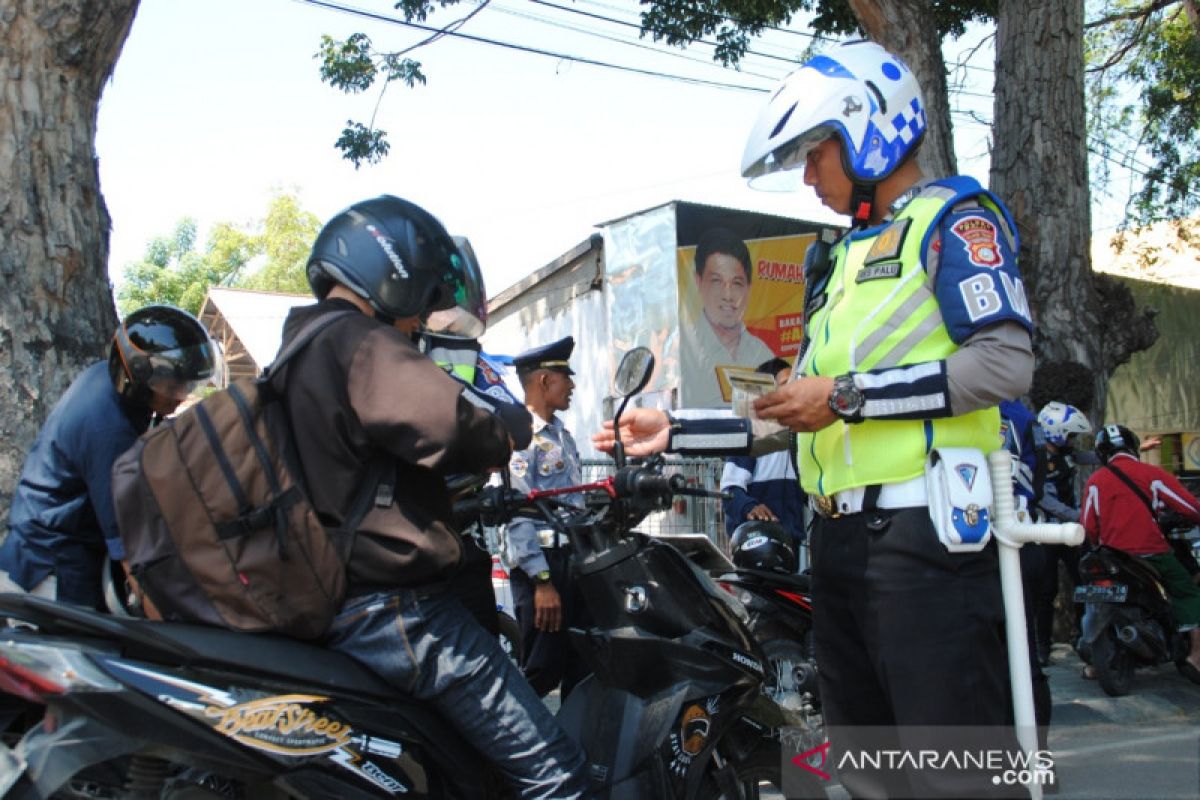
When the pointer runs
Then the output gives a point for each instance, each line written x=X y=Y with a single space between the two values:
x=254 y=318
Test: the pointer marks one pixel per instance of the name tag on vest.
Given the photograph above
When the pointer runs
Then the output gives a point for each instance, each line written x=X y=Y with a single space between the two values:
x=877 y=271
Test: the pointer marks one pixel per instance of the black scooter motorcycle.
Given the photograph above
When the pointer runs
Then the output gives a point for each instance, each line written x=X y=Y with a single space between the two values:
x=780 y=607
x=133 y=708
x=1128 y=621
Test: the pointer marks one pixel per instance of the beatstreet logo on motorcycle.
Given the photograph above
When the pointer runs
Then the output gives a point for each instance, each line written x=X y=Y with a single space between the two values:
x=281 y=724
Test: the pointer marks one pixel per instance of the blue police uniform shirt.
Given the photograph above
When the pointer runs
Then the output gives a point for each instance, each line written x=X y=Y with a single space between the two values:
x=62 y=516
x=550 y=462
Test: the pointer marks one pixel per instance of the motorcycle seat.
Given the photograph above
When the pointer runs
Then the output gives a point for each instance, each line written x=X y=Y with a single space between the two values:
x=266 y=655
x=792 y=582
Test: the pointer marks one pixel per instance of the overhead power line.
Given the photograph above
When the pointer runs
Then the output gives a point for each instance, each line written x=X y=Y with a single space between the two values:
x=627 y=42
x=357 y=12
x=1130 y=163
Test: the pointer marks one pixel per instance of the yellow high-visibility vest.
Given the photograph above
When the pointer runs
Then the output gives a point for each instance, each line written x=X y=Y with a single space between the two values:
x=879 y=313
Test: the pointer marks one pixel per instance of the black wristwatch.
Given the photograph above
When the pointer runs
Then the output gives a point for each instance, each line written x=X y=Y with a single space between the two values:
x=846 y=400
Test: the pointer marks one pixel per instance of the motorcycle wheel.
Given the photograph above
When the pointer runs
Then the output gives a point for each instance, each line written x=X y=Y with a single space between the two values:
x=510 y=636
x=1113 y=664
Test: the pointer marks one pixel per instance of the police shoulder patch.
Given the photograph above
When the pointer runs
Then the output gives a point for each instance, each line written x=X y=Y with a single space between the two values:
x=980 y=235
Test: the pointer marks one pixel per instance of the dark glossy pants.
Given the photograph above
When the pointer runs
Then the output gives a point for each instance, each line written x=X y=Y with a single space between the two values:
x=549 y=659
x=427 y=645
x=909 y=637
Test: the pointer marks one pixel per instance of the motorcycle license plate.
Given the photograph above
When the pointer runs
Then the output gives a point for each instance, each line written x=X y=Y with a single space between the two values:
x=1116 y=593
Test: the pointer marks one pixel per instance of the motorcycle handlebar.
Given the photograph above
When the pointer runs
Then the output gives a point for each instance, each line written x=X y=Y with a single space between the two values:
x=495 y=504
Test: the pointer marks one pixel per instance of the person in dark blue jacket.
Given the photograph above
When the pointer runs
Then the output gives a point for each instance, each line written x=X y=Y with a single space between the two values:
x=766 y=488
x=62 y=530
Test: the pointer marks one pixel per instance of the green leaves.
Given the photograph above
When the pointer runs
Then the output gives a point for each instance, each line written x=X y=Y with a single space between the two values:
x=1143 y=60
x=359 y=144
x=352 y=66
x=347 y=65
x=269 y=256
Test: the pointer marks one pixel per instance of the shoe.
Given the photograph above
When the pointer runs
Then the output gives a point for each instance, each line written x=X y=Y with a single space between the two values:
x=1088 y=673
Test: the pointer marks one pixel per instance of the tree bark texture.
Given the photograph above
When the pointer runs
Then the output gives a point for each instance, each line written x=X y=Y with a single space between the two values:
x=56 y=310
x=1086 y=324
x=903 y=27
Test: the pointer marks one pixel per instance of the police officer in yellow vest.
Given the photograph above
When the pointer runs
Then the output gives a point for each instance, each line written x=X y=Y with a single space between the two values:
x=918 y=326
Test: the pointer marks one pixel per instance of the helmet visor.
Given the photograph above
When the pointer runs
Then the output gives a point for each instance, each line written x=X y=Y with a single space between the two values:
x=179 y=372
x=463 y=281
x=782 y=170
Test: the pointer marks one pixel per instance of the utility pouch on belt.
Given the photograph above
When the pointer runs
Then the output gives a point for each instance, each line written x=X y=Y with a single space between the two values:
x=960 y=497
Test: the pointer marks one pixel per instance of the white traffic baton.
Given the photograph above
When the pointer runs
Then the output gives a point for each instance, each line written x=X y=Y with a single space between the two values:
x=1011 y=534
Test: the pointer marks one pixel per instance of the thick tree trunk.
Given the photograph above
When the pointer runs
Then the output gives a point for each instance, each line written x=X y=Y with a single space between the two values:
x=1086 y=324
x=903 y=28
x=56 y=310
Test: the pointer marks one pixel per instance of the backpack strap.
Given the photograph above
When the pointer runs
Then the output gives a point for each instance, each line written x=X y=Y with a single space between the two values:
x=1135 y=489
x=377 y=469
x=301 y=339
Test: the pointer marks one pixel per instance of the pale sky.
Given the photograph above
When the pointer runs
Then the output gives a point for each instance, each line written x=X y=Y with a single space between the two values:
x=216 y=102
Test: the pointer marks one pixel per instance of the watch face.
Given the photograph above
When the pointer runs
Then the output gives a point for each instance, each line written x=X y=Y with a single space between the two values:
x=846 y=399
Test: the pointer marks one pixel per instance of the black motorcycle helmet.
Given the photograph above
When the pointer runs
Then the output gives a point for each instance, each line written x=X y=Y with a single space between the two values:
x=160 y=349
x=392 y=253
x=1113 y=439
x=764 y=546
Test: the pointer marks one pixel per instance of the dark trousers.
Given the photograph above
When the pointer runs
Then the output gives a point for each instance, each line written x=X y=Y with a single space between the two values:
x=908 y=637
x=1048 y=591
x=549 y=659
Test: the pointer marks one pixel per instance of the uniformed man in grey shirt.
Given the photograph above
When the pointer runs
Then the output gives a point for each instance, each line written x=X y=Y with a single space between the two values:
x=544 y=592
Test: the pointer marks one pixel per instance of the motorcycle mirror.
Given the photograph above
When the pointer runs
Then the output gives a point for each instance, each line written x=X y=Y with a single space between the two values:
x=633 y=373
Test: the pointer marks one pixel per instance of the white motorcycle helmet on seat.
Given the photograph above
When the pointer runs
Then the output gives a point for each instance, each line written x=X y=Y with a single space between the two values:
x=858 y=92
x=1060 y=420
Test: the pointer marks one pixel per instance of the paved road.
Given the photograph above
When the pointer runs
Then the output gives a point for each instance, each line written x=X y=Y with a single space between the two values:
x=1144 y=746
x=1141 y=746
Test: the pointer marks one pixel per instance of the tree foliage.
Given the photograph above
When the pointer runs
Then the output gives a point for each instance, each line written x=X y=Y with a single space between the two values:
x=285 y=239
x=1144 y=59
x=269 y=256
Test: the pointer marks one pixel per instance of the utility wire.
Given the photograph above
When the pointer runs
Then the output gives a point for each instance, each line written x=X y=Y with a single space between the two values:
x=1133 y=165
x=626 y=42
x=637 y=26
x=525 y=49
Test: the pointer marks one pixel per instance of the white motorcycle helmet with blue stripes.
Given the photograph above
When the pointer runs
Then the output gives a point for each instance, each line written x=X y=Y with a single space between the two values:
x=858 y=92
x=1059 y=420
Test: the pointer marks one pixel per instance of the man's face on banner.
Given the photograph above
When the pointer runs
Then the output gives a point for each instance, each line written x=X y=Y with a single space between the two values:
x=724 y=289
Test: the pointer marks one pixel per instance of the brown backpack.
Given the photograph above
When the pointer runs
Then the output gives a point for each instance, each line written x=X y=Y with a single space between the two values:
x=215 y=520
